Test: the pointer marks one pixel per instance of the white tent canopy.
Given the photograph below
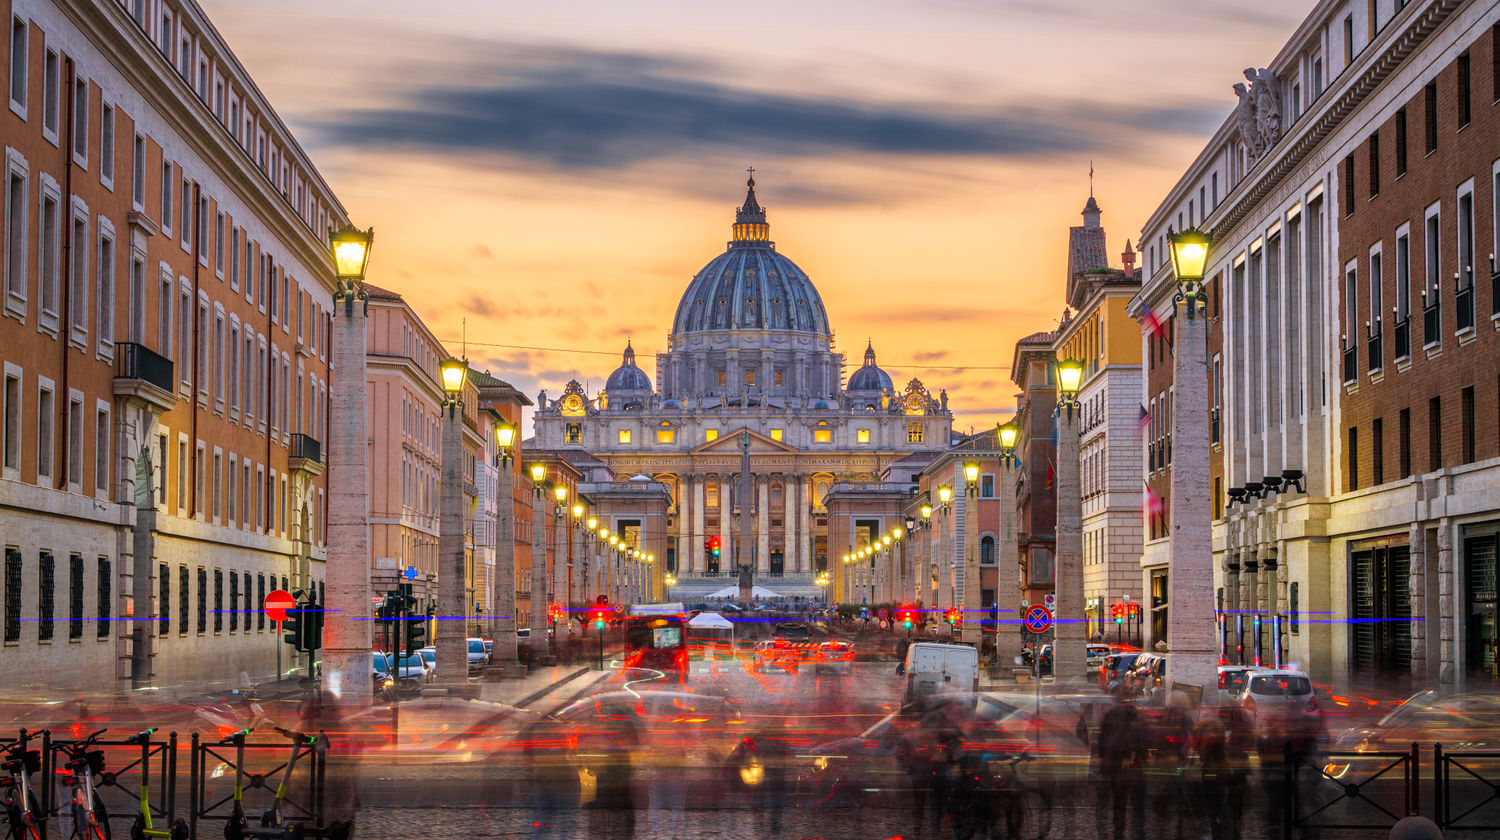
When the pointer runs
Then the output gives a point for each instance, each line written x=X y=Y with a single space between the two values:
x=710 y=621
x=734 y=592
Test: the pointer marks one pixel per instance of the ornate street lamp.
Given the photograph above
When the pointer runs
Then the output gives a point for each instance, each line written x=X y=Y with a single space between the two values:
x=897 y=532
x=1069 y=380
x=926 y=515
x=351 y=252
x=505 y=439
x=1007 y=435
x=945 y=498
x=538 y=475
x=971 y=476
x=1189 y=250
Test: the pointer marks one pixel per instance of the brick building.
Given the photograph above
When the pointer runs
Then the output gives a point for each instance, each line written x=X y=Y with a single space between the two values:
x=165 y=344
x=1034 y=370
x=1353 y=477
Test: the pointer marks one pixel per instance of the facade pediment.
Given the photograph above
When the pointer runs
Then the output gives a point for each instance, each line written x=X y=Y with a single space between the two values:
x=729 y=444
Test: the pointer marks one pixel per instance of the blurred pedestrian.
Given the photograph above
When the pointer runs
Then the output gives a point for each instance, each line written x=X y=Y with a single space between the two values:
x=612 y=812
x=1210 y=744
x=1122 y=756
x=1171 y=744
x=1273 y=748
x=321 y=717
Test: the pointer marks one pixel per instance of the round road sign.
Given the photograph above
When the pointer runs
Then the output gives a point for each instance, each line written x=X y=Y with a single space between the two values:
x=278 y=601
x=1038 y=620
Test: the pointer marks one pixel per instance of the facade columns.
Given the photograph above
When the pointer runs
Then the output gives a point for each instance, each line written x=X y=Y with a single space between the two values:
x=503 y=621
x=452 y=601
x=1190 y=624
x=789 y=524
x=684 y=519
x=1069 y=641
x=346 y=643
x=726 y=512
x=804 y=516
x=698 y=534
x=540 y=644
x=944 y=563
x=1447 y=604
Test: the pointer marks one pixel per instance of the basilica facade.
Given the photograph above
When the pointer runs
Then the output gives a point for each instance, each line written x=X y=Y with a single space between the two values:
x=750 y=364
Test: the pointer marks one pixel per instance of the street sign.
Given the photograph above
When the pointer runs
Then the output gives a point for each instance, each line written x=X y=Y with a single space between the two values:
x=1025 y=603
x=884 y=614
x=411 y=572
x=278 y=601
x=1038 y=619
x=1051 y=601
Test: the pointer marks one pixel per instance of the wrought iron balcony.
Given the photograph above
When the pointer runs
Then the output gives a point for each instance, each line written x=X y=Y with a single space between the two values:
x=137 y=361
x=144 y=374
x=1376 y=351
x=1351 y=364
x=1403 y=338
x=1494 y=289
x=1464 y=308
x=1213 y=427
x=306 y=454
x=1432 y=324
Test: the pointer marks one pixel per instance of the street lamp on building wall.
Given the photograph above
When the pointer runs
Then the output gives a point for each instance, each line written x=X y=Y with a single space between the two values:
x=1190 y=581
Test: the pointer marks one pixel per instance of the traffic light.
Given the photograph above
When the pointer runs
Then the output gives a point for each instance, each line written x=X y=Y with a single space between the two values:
x=555 y=613
x=712 y=546
x=416 y=630
x=292 y=628
x=1118 y=612
x=906 y=616
x=951 y=616
x=312 y=627
x=598 y=617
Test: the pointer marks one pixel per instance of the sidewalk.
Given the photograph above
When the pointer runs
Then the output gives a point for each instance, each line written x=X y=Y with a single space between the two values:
x=565 y=681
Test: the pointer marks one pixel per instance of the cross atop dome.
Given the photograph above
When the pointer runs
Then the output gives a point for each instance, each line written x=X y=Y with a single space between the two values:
x=750 y=220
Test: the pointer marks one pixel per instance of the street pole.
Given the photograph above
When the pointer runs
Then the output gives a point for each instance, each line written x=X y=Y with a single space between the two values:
x=540 y=646
x=1069 y=652
x=970 y=608
x=453 y=603
x=1007 y=559
x=504 y=621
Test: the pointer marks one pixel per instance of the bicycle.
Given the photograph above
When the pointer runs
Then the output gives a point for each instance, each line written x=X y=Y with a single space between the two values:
x=985 y=799
x=21 y=805
x=142 y=828
x=90 y=817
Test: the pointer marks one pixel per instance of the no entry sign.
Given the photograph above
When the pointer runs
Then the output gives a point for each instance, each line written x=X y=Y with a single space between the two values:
x=1038 y=619
x=278 y=601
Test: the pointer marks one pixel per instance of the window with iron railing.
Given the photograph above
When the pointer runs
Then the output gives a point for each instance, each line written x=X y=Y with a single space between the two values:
x=1432 y=322
x=1403 y=338
x=1375 y=350
x=105 y=587
x=202 y=600
x=184 y=600
x=12 y=595
x=75 y=596
x=46 y=602
x=1351 y=364
x=234 y=602
x=260 y=588
x=1213 y=427
x=1463 y=308
x=164 y=600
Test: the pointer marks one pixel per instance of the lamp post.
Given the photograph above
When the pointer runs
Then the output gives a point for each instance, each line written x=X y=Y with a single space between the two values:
x=452 y=600
x=1190 y=580
x=893 y=578
x=576 y=568
x=503 y=620
x=1008 y=565
x=346 y=643
x=940 y=553
x=969 y=608
x=560 y=560
x=1069 y=650
x=589 y=532
x=926 y=574
x=541 y=652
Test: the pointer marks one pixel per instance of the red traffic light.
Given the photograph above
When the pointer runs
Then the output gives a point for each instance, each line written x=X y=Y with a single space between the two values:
x=711 y=545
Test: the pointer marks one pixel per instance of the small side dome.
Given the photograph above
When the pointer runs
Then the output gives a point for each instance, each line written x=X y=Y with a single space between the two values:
x=870 y=377
x=627 y=377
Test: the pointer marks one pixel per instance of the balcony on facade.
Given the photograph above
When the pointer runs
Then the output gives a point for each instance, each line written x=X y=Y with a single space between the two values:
x=143 y=373
x=306 y=454
x=1403 y=339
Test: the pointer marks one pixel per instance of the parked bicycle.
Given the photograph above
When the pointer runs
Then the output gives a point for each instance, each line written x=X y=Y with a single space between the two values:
x=84 y=763
x=273 y=823
x=21 y=805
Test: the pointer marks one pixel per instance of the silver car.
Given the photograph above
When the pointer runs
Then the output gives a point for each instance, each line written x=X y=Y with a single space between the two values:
x=1270 y=693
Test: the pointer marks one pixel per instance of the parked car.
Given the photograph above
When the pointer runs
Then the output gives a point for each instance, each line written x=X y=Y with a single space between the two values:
x=1275 y=692
x=1232 y=677
x=1113 y=669
x=932 y=667
x=478 y=655
x=792 y=632
x=1147 y=675
x=1094 y=654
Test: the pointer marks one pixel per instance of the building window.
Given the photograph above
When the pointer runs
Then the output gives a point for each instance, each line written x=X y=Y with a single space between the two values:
x=1377 y=453
x=1040 y=572
x=49 y=254
x=18 y=63
x=914 y=431
x=1400 y=142
x=775 y=434
x=1465 y=111
x=163 y=599
x=75 y=596
x=1434 y=434
x=12 y=418
x=101 y=451
x=234 y=600
x=1353 y=459
x=138 y=173
x=218 y=600
x=749 y=377
x=15 y=235
x=1374 y=165
x=624 y=436
x=51 y=96
x=987 y=487
x=1431 y=113
x=81 y=120
x=46 y=597
x=574 y=433
x=1404 y=443
x=184 y=601
x=260 y=598
x=777 y=379
x=106 y=579
x=202 y=600
x=1467 y=427
x=1349 y=185
x=862 y=435
x=822 y=436
x=12 y=595
x=666 y=436
x=710 y=435
x=987 y=551
x=721 y=379
x=45 y=415
x=107 y=144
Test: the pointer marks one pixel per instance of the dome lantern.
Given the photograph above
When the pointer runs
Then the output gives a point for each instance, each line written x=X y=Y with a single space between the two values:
x=750 y=220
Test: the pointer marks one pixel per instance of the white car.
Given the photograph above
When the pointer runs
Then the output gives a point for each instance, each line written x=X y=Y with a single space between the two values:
x=429 y=655
x=1275 y=692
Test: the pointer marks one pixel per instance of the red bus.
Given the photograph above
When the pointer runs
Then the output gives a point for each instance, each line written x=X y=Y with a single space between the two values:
x=656 y=640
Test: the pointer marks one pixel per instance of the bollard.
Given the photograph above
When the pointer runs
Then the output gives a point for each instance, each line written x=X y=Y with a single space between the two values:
x=1416 y=828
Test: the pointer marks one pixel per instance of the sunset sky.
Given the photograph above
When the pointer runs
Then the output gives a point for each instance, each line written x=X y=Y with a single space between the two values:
x=555 y=173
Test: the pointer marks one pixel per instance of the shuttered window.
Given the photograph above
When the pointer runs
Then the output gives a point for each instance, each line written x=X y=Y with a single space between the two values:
x=75 y=596
x=12 y=595
x=1481 y=630
x=260 y=589
x=234 y=602
x=105 y=592
x=1381 y=612
x=202 y=600
x=218 y=600
x=163 y=599
x=184 y=600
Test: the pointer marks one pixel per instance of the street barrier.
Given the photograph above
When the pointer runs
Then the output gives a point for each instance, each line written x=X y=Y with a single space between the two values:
x=209 y=766
x=130 y=780
x=1320 y=800
x=1479 y=774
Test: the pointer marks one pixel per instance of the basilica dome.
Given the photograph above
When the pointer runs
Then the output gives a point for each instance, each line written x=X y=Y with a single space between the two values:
x=870 y=377
x=627 y=377
x=751 y=286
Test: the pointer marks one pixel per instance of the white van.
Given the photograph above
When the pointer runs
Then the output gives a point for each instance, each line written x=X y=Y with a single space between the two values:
x=933 y=668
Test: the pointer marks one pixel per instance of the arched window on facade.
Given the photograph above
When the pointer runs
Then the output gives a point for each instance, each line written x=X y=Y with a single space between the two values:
x=987 y=551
